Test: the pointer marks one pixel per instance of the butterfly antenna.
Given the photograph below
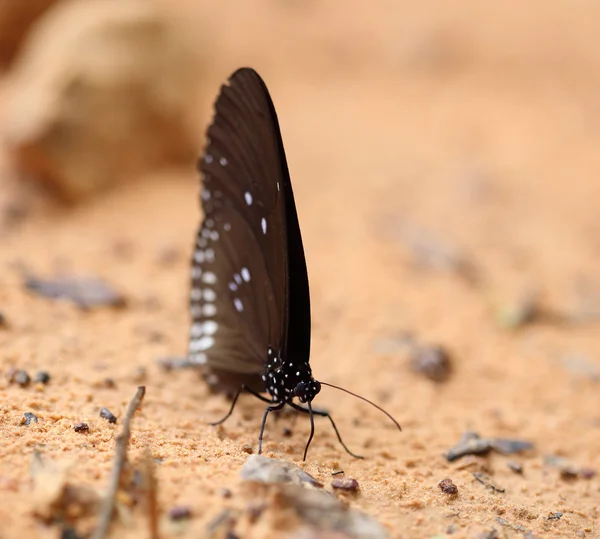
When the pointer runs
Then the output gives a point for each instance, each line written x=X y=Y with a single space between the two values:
x=366 y=400
x=312 y=429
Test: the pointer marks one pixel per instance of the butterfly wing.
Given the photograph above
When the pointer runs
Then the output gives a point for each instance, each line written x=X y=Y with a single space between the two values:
x=239 y=294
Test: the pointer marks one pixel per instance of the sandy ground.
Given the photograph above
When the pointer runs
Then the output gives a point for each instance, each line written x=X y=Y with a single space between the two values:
x=476 y=129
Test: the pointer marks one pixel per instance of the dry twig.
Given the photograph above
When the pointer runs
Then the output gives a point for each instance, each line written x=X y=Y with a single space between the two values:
x=108 y=505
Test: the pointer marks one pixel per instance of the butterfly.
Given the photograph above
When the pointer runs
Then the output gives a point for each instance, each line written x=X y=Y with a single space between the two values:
x=250 y=298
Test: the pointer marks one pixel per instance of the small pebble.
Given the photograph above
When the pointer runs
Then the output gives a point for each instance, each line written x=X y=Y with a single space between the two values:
x=69 y=533
x=21 y=377
x=587 y=473
x=554 y=516
x=448 y=487
x=105 y=413
x=41 y=377
x=431 y=361
x=226 y=493
x=108 y=383
x=28 y=418
x=82 y=427
x=180 y=512
x=247 y=448
x=344 y=483
x=516 y=467
x=489 y=534
x=569 y=472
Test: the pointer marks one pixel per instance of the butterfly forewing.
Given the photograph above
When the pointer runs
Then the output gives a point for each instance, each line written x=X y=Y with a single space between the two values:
x=239 y=296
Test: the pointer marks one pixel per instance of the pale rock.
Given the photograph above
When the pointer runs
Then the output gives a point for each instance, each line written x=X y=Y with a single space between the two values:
x=15 y=19
x=103 y=90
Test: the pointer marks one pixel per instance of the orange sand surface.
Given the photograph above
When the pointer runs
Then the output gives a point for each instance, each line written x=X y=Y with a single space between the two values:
x=470 y=127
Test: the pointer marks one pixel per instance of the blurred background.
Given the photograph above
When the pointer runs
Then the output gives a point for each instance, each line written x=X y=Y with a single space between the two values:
x=445 y=164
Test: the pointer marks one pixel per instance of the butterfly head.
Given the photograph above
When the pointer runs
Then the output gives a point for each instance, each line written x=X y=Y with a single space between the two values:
x=307 y=391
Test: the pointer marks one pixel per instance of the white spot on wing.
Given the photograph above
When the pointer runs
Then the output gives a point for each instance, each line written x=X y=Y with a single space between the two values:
x=196 y=310
x=209 y=295
x=196 y=294
x=245 y=274
x=198 y=358
x=196 y=330
x=210 y=255
x=227 y=227
x=223 y=161
x=238 y=304
x=201 y=241
x=248 y=198
x=263 y=225
x=237 y=278
x=209 y=278
x=202 y=344
x=210 y=327
x=209 y=309
x=208 y=158
x=232 y=286
x=205 y=194
x=199 y=256
x=214 y=235
x=196 y=272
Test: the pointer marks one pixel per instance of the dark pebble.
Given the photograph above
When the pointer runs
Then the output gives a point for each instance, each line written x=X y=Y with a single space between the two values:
x=587 y=473
x=569 y=472
x=489 y=534
x=226 y=493
x=108 y=383
x=554 y=516
x=470 y=443
x=85 y=292
x=247 y=448
x=69 y=533
x=180 y=512
x=448 y=487
x=344 y=483
x=287 y=432
x=339 y=472
x=105 y=413
x=21 y=377
x=28 y=418
x=431 y=361
x=82 y=427
x=509 y=446
x=516 y=467
x=41 y=377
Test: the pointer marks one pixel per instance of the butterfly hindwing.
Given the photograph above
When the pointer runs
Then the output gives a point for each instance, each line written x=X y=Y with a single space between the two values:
x=239 y=295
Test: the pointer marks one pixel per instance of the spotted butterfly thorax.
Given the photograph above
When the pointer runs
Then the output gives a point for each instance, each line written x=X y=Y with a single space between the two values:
x=250 y=301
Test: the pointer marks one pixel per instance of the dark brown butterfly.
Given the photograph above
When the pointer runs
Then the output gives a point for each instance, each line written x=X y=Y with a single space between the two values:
x=250 y=301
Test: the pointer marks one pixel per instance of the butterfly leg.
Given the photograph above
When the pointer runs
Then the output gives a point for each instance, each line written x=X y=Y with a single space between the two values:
x=323 y=413
x=234 y=401
x=269 y=409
